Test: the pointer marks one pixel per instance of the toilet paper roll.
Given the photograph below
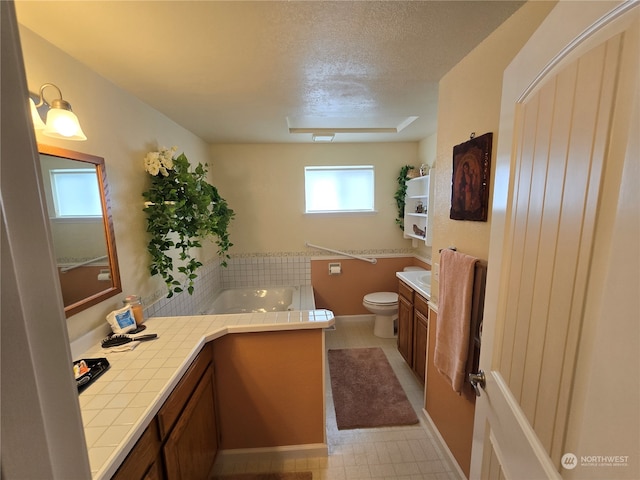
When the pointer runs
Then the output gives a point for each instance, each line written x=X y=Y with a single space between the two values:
x=104 y=277
x=335 y=270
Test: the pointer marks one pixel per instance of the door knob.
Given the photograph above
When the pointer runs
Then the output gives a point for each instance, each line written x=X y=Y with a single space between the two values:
x=477 y=381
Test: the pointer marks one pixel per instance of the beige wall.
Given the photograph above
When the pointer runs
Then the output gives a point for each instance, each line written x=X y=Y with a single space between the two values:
x=264 y=184
x=121 y=129
x=427 y=149
x=469 y=101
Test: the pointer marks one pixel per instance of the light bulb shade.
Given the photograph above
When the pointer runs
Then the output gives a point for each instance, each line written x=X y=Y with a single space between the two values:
x=38 y=124
x=63 y=124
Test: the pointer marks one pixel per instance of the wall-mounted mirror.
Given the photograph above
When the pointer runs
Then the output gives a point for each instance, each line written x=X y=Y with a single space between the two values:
x=77 y=195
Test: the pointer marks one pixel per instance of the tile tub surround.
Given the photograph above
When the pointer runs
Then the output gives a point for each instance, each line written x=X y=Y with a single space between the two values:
x=242 y=271
x=119 y=405
x=271 y=270
x=259 y=269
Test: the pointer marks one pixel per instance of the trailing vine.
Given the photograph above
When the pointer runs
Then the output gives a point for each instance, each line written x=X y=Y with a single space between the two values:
x=401 y=193
x=181 y=209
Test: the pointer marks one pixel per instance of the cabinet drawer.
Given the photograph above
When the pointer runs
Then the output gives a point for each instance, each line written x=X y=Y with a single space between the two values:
x=143 y=455
x=406 y=291
x=171 y=409
x=420 y=304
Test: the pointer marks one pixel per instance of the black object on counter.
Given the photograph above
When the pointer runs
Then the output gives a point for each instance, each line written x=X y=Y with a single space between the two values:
x=116 y=340
x=97 y=366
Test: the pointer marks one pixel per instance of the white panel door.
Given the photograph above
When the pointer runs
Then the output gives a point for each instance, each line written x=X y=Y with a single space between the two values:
x=542 y=249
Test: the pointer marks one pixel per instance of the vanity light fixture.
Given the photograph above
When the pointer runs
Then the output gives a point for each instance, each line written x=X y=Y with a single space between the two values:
x=38 y=124
x=323 y=137
x=61 y=121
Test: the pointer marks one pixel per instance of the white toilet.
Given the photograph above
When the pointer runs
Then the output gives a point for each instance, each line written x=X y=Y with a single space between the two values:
x=385 y=307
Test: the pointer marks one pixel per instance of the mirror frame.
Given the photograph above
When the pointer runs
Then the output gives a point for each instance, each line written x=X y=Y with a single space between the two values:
x=116 y=286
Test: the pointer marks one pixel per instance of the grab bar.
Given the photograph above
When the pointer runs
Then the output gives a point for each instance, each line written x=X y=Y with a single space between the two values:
x=87 y=262
x=357 y=257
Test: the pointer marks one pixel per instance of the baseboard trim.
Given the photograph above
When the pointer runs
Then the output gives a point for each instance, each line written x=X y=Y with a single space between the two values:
x=278 y=452
x=444 y=446
x=360 y=316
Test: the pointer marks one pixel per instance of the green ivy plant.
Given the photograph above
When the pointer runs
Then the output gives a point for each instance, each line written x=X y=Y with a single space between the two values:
x=401 y=193
x=182 y=208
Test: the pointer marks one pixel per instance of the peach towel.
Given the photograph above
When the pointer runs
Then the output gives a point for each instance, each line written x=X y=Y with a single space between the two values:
x=454 y=316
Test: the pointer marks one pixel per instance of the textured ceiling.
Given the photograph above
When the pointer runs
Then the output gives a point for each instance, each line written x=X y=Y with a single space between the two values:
x=247 y=72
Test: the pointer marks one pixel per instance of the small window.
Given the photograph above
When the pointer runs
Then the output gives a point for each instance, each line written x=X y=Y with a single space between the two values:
x=339 y=189
x=76 y=193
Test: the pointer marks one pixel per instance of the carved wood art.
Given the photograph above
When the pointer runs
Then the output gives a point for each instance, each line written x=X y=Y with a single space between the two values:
x=470 y=179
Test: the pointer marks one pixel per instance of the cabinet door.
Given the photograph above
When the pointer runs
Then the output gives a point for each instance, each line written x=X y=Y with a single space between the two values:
x=191 y=447
x=155 y=471
x=419 y=344
x=170 y=411
x=144 y=459
x=405 y=328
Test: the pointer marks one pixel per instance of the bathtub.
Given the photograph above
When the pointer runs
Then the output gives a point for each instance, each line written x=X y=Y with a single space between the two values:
x=262 y=299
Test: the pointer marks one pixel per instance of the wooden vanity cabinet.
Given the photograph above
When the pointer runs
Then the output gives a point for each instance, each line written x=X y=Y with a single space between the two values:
x=191 y=447
x=420 y=335
x=413 y=315
x=144 y=461
x=175 y=404
x=405 y=322
x=155 y=471
x=182 y=440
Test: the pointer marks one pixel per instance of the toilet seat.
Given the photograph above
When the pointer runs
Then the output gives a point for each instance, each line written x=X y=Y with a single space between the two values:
x=382 y=298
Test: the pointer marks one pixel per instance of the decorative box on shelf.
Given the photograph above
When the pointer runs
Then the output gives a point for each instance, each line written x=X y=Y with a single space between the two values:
x=416 y=210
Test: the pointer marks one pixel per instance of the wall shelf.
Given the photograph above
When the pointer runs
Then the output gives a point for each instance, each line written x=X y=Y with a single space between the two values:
x=416 y=221
x=416 y=237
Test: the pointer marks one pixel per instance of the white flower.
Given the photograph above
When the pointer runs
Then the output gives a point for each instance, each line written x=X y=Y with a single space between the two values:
x=152 y=163
x=167 y=162
x=160 y=162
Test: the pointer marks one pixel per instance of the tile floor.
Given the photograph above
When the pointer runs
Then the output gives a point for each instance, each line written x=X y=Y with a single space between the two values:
x=393 y=453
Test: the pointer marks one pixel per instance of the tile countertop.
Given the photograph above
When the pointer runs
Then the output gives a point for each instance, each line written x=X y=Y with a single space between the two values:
x=414 y=280
x=122 y=402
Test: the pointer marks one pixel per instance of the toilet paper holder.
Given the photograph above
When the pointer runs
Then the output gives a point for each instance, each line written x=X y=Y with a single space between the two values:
x=104 y=275
x=335 y=268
